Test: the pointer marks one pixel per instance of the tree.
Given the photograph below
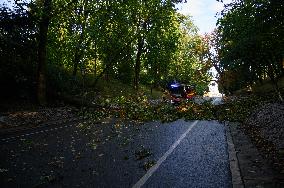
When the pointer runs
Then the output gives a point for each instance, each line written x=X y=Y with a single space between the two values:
x=191 y=63
x=133 y=41
x=42 y=58
x=250 y=40
x=17 y=51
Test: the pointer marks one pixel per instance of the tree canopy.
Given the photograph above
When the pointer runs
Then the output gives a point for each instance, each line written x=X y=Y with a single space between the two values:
x=250 y=42
x=135 y=42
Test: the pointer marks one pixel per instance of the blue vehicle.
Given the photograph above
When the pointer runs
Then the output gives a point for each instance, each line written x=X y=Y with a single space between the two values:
x=180 y=92
x=176 y=90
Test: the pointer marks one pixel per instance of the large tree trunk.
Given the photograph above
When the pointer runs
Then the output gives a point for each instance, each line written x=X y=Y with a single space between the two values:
x=138 y=56
x=138 y=63
x=79 y=49
x=41 y=72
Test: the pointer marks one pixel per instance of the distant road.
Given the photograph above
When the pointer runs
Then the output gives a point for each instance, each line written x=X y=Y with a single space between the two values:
x=215 y=100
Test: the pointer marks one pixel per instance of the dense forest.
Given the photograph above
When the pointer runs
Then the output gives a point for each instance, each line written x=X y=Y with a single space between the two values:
x=50 y=46
x=249 y=43
x=59 y=46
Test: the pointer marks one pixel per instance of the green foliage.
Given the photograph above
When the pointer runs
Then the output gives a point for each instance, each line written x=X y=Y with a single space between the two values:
x=17 y=52
x=140 y=108
x=191 y=64
x=93 y=40
x=106 y=34
x=61 y=80
x=250 y=40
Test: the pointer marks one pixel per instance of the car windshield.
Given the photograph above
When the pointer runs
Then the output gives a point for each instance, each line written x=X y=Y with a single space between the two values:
x=176 y=90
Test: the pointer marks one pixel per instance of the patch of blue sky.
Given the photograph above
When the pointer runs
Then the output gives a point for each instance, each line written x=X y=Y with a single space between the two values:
x=204 y=13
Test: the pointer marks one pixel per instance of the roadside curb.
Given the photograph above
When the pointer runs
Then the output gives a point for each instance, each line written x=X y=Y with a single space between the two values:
x=237 y=181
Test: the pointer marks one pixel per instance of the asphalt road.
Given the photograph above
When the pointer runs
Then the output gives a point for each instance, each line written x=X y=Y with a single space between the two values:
x=118 y=154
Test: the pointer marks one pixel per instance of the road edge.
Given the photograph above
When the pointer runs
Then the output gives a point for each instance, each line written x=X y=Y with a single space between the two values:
x=237 y=181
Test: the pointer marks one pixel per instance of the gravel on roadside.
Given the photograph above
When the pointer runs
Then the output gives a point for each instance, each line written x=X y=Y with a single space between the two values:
x=270 y=120
x=265 y=126
x=255 y=169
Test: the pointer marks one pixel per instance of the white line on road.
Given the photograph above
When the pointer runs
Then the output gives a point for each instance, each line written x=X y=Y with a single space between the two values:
x=151 y=171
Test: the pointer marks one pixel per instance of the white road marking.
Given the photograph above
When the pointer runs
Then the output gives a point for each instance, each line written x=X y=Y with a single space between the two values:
x=151 y=171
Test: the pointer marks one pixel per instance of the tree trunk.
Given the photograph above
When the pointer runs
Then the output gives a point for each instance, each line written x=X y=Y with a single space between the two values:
x=274 y=82
x=76 y=61
x=276 y=87
x=138 y=63
x=95 y=67
x=102 y=73
x=215 y=65
x=41 y=72
x=138 y=56
x=79 y=49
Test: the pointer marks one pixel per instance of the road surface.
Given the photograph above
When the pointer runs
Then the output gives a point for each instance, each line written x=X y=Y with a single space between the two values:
x=117 y=154
x=214 y=100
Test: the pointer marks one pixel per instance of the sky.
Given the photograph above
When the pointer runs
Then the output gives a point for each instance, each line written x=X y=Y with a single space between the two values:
x=203 y=13
x=204 y=16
